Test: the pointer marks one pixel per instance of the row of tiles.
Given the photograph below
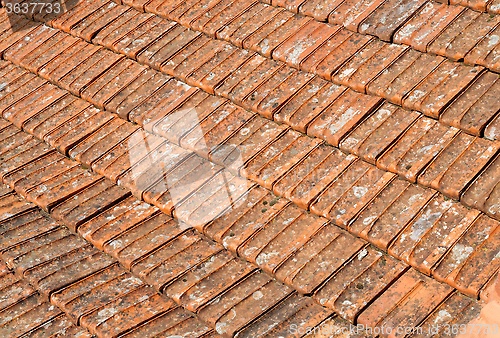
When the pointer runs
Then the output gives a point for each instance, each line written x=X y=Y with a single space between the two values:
x=352 y=193
x=428 y=26
x=341 y=272
x=461 y=96
x=415 y=147
x=23 y=311
x=255 y=143
x=102 y=296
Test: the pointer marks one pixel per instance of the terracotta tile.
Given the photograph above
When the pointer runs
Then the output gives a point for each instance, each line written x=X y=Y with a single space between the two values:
x=272 y=85
x=318 y=9
x=382 y=84
x=457 y=48
x=103 y=139
x=275 y=243
x=251 y=145
x=24 y=227
x=176 y=116
x=148 y=54
x=471 y=262
x=341 y=48
x=351 y=13
x=325 y=253
x=416 y=296
x=378 y=132
x=121 y=27
x=153 y=169
x=474 y=108
x=219 y=133
x=68 y=271
x=30 y=320
x=481 y=194
x=58 y=327
x=367 y=64
x=55 y=191
x=389 y=212
x=240 y=61
x=173 y=322
x=419 y=145
x=344 y=114
x=142 y=39
x=45 y=253
x=466 y=155
x=29 y=150
x=217 y=22
x=182 y=54
x=397 y=12
x=438 y=89
x=247 y=23
x=294 y=312
x=77 y=82
x=83 y=295
x=161 y=7
x=209 y=68
x=56 y=115
x=277 y=37
x=103 y=228
x=284 y=111
x=428 y=237
x=46 y=62
x=359 y=282
x=461 y=23
x=110 y=83
x=77 y=129
x=175 y=41
x=492 y=130
x=493 y=7
x=486 y=52
x=189 y=58
x=189 y=8
x=281 y=163
x=259 y=211
x=143 y=239
x=213 y=312
x=34 y=178
x=455 y=310
x=165 y=267
x=112 y=164
x=343 y=182
x=426 y=25
x=179 y=183
x=213 y=284
x=306 y=115
x=198 y=20
x=91 y=25
x=89 y=203
x=28 y=44
x=290 y=5
x=96 y=321
x=15 y=33
x=146 y=89
x=199 y=58
x=73 y=60
x=248 y=305
x=135 y=315
x=149 y=104
x=247 y=78
x=75 y=14
x=32 y=104
x=16 y=93
x=253 y=35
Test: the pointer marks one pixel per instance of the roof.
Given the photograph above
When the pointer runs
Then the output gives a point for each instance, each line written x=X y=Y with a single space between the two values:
x=205 y=168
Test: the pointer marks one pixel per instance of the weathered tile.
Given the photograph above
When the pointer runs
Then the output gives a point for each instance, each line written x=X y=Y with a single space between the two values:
x=416 y=297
